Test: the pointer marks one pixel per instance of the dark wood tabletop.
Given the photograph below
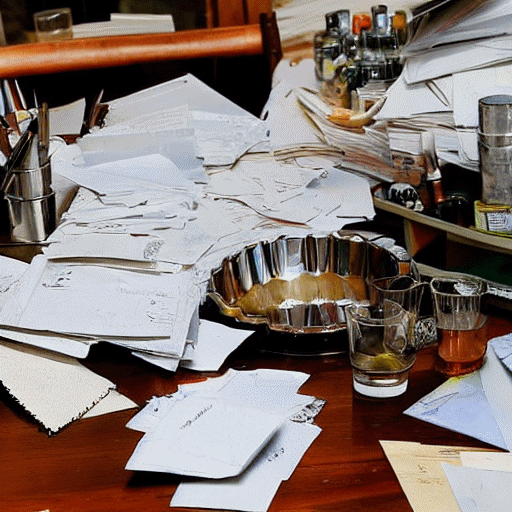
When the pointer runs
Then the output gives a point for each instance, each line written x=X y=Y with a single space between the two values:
x=82 y=468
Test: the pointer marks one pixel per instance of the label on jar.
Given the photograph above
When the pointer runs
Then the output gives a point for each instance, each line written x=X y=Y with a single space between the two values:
x=496 y=219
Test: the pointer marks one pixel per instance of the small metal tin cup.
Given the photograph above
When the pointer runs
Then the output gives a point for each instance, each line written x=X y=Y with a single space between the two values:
x=31 y=183
x=31 y=220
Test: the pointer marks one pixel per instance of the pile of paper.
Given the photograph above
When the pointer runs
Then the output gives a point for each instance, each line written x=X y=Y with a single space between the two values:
x=478 y=405
x=241 y=434
x=175 y=180
x=66 y=307
x=451 y=478
x=295 y=95
x=460 y=51
x=50 y=385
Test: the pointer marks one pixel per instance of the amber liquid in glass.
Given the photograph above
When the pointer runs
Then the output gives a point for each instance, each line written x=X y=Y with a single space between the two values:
x=460 y=352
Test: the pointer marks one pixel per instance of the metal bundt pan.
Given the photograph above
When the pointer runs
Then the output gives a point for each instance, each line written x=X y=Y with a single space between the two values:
x=301 y=284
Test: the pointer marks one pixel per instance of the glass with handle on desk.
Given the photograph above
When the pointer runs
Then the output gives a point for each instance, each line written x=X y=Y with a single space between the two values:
x=461 y=325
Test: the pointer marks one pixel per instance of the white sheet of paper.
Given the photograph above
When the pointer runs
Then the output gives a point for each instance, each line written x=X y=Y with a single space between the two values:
x=175 y=118
x=262 y=387
x=214 y=344
x=282 y=106
x=73 y=346
x=112 y=402
x=87 y=299
x=502 y=346
x=497 y=384
x=404 y=100
x=345 y=196
x=254 y=489
x=187 y=90
x=67 y=119
x=496 y=461
x=454 y=58
x=206 y=437
x=111 y=245
x=11 y=271
x=179 y=146
x=468 y=89
x=125 y=174
x=53 y=388
x=166 y=362
x=266 y=389
x=223 y=139
x=273 y=190
x=479 y=490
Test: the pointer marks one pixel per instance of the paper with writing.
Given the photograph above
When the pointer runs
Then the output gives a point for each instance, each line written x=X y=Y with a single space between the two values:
x=498 y=461
x=255 y=488
x=207 y=437
x=419 y=471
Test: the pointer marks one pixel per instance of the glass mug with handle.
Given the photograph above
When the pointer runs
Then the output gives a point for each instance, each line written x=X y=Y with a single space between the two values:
x=461 y=325
x=409 y=293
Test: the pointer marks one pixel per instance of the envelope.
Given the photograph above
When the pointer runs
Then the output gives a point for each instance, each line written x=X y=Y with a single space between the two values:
x=206 y=437
x=460 y=404
x=478 y=404
x=497 y=384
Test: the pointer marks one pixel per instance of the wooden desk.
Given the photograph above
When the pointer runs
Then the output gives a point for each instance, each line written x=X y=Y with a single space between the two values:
x=82 y=468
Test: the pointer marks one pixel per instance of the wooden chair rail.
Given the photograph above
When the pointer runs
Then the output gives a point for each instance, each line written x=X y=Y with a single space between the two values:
x=102 y=52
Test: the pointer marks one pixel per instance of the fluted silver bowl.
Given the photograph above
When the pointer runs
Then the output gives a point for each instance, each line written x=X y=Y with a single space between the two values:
x=301 y=284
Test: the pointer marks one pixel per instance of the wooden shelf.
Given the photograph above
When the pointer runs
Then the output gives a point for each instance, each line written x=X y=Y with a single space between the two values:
x=428 y=226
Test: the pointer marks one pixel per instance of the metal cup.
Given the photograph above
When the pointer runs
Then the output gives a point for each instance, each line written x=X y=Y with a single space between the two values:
x=495 y=148
x=31 y=183
x=31 y=220
x=495 y=114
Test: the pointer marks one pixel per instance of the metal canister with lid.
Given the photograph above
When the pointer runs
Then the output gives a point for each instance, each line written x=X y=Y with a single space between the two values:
x=495 y=148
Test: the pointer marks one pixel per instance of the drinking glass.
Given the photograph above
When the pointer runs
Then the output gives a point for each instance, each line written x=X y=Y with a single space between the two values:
x=53 y=24
x=382 y=348
x=408 y=292
x=460 y=324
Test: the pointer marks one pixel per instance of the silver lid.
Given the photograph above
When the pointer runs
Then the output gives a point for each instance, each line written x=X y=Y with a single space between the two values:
x=495 y=114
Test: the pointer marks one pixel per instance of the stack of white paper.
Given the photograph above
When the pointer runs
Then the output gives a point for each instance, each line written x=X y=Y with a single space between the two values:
x=458 y=54
x=234 y=431
x=149 y=313
x=454 y=21
x=451 y=478
x=176 y=180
